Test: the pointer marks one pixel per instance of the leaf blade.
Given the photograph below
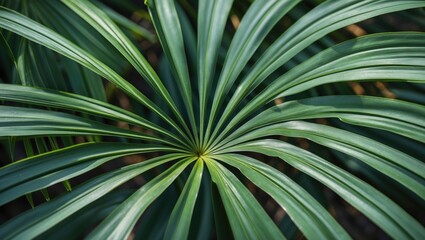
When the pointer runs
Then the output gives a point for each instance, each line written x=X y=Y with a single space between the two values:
x=40 y=34
x=373 y=204
x=34 y=222
x=241 y=206
x=179 y=223
x=120 y=222
x=312 y=219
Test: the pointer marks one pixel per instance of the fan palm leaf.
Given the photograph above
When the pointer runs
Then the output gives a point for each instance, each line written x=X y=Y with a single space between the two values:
x=214 y=121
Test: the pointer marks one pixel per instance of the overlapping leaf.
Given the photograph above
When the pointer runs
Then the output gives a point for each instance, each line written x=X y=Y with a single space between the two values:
x=212 y=135
x=32 y=223
x=376 y=206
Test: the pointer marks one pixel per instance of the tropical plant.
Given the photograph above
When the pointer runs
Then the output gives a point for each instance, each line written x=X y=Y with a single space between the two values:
x=213 y=127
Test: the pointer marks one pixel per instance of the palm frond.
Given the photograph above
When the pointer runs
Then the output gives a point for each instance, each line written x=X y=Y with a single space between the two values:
x=209 y=127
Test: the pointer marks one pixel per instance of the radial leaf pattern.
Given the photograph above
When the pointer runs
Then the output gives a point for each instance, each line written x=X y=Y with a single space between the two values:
x=215 y=143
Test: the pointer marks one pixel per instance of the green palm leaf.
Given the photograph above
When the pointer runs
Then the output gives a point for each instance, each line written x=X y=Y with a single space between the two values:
x=247 y=218
x=407 y=118
x=380 y=209
x=68 y=101
x=179 y=223
x=206 y=130
x=303 y=208
x=17 y=121
x=121 y=221
x=211 y=23
x=102 y=23
x=34 y=31
x=397 y=165
x=165 y=19
x=33 y=223
x=39 y=171
x=341 y=64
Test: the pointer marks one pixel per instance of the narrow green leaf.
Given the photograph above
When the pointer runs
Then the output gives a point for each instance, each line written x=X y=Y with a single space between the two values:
x=105 y=26
x=221 y=221
x=212 y=16
x=247 y=218
x=254 y=27
x=167 y=24
x=373 y=204
x=32 y=223
x=57 y=16
x=325 y=18
x=395 y=164
x=75 y=225
x=395 y=73
x=27 y=169
x=386 y=57
x=121 y=221
x=21 y=25
x=18 y=121
x=400 y=117
x=75 y=102
x=126 y=23
x=180 y=219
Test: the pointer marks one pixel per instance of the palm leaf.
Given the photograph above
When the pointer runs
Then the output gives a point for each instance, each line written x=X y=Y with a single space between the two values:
x=303 y=208
x=102 y=23
x=34 y=31
x=179 y=224
x=33 y=223
x=376 y=206
x=406 y=118
x=391 y=162
x=241 y=207
x=211 y=23
x=165 y=19
x=119 y=223
x=68 y=101
x=221 y=98
x=42 y=171
x=388 y=63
